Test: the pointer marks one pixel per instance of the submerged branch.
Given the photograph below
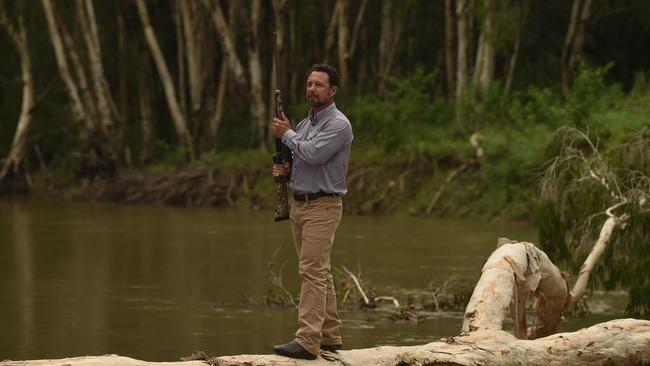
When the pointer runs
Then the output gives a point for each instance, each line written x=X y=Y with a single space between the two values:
x=356 y=282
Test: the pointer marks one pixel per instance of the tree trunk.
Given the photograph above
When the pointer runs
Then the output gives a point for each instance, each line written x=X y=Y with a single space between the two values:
x=217 y=116
x=343 y=35
x=64 y=71
x=98 y=156
x=278 y=72
x=331 y=31
x=180 y=56
x=145 y=119
x=484 y=65
x=193 y=33
x=522 y=10
x=574 y=41
x=166 y=79
x=357 y=26
x=462 y=11
x=228 y=42
x=123 y=88
x=87 y=97
x=514 y=264
x=391 y=30
x=13 y=175
x=256 y=76
x=89 y=31
x=450 y=40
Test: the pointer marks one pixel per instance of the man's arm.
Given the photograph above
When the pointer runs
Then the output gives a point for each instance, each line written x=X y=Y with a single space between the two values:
x=331 y=139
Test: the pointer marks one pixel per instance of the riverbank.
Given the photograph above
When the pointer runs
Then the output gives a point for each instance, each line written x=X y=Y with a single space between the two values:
x=414 y=185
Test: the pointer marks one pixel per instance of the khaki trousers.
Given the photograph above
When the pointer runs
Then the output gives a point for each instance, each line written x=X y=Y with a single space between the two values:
x=313 y=225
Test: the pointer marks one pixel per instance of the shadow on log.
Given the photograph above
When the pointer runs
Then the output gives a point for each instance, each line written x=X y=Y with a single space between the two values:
x=514 y=271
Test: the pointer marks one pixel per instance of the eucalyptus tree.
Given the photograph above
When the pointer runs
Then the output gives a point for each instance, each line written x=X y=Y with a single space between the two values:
x=90 y=98
x=179 y=119
x=574 y=41
x=250 y=84
x=13 y=173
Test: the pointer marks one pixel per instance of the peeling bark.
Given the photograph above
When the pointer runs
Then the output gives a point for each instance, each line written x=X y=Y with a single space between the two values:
x=512 y=271
x=617 y=342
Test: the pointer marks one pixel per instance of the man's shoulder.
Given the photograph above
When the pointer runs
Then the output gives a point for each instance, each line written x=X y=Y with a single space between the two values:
x=338 y=118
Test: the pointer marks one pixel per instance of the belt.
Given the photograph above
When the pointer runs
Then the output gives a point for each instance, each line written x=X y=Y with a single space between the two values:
x=312 y=196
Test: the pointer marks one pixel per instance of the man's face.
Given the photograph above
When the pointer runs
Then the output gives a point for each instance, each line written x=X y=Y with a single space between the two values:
x=319 y=92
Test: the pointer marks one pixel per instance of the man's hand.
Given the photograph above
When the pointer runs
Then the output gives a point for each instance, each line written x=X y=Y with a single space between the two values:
x=281 y=170
x=280 y=126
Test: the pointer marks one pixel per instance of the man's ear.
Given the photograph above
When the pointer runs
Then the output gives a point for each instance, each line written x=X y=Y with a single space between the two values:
x=332 y=91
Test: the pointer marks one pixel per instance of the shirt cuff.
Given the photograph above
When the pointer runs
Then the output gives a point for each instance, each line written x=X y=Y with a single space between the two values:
x=287 y=138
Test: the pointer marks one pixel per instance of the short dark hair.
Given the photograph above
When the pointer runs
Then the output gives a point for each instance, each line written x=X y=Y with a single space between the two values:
x=329 y=70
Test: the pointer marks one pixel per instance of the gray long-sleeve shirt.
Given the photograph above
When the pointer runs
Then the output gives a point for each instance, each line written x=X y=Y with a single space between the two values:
x=321 y=146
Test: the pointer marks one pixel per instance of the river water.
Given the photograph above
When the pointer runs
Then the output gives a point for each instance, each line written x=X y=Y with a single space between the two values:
x=157 y=283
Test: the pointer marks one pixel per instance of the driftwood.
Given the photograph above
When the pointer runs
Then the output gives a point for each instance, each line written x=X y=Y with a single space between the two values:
x=514 y=271
x=617 y=342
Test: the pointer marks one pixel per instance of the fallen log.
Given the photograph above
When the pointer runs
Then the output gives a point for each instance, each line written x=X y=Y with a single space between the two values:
x=617 y=342
x=514 y=271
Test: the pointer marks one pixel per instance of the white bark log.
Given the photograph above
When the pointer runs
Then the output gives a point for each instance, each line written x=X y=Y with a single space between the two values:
x=599 y=248
x=509 y=267
x=617 y=342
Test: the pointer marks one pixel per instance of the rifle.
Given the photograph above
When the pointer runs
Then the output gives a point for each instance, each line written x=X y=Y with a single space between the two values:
x=282 y=153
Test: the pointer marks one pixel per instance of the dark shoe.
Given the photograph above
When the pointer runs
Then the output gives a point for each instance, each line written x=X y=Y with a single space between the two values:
x=331 y=347
x=293 y=350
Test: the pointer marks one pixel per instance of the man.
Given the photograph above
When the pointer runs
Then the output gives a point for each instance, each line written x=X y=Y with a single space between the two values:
x=321 y=151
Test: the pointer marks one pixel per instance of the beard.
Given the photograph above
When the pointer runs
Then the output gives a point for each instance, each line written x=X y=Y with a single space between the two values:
x=315 y=101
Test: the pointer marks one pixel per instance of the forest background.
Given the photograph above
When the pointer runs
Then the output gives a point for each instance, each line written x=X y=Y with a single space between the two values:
x=455 y=104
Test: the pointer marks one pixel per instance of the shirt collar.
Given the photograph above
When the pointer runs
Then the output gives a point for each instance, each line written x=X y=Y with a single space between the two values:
x=315 y=117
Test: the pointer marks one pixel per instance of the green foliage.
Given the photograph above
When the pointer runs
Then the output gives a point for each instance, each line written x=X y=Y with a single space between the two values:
x=580 y=183
x=411 y=117
x=167 y=158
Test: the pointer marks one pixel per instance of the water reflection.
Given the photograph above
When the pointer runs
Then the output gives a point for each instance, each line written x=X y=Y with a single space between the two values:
x=158 y=283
